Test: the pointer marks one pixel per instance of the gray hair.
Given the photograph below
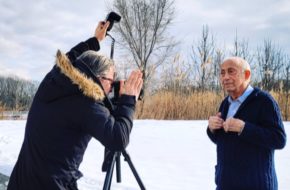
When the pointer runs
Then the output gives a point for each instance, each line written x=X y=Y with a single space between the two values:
x=99 y=64
x=240 y=62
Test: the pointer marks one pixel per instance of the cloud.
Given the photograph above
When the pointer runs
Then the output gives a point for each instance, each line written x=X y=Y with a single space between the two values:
x=8 y=70
x=9 y=47
x=253 y=20
x=31 y=31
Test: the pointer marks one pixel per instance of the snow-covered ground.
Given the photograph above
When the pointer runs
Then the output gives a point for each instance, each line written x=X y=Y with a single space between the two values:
x=171 y=155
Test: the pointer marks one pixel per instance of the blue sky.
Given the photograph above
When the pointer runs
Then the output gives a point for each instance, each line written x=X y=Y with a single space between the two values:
x=32 y=30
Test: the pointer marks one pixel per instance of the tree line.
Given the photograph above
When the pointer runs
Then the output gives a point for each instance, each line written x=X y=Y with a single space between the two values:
x=270 y=65
x=16 y=93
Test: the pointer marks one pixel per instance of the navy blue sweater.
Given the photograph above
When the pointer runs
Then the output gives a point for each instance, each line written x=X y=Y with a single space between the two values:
x=246 y=161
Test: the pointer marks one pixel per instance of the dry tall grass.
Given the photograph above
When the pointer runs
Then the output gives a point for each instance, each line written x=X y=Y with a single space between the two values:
x=196 y=105
x=283 y=100
x=170 y=105
x=2 y=109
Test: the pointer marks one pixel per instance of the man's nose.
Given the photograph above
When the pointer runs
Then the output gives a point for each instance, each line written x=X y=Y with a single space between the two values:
x=226 y=75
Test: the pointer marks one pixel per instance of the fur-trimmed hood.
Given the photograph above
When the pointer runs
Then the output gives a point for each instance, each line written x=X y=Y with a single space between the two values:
x=86 y=84
x=68 y=79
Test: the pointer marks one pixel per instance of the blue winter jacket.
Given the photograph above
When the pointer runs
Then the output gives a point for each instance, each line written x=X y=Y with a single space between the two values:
x=246 y=161
x=69 y=108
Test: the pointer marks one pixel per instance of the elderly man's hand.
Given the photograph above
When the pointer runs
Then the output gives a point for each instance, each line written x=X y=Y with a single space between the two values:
x=234 y=125
x=215 y=122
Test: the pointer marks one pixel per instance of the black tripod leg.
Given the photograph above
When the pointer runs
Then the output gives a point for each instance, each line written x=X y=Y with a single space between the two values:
x=118 y=167
x=108 y=179
x=128 y=159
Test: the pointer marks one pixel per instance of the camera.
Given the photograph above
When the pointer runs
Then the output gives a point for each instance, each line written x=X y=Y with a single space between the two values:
x=112 y=17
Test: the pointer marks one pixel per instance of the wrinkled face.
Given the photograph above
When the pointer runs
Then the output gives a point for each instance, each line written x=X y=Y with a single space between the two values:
x=232 y=77
x=108 y=80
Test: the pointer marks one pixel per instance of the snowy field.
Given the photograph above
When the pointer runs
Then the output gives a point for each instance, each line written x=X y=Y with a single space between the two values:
x=171 y=155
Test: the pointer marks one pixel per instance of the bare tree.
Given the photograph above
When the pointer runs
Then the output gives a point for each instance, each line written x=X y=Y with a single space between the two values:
x=270 y=61
x=219 y=56
x=241 y=49
x=175 y=77
x=286 y=87
x=142 y=32
x=202 y=56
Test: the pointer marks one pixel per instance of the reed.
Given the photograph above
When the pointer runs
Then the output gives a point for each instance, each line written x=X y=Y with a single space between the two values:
x=197 y=105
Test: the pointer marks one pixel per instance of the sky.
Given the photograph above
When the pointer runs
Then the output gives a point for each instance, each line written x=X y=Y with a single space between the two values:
x=171 y=155
x=31 y=31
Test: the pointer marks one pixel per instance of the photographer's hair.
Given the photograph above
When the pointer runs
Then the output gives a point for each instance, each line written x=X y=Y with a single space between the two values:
x=98 y=64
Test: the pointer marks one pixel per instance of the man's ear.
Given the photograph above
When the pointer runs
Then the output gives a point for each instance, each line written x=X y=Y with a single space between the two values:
x=247 y=74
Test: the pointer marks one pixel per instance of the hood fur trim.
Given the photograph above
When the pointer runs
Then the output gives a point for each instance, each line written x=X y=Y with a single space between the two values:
x=85 y=84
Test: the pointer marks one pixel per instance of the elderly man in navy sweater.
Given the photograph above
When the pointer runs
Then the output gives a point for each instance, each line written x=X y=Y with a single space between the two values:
x=247 y=130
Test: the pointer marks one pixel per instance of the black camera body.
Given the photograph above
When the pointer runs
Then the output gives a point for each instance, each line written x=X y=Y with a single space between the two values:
x=112 y=17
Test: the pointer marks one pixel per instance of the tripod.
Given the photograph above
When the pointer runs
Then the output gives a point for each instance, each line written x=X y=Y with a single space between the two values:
x=117 y=154
x=110 y=170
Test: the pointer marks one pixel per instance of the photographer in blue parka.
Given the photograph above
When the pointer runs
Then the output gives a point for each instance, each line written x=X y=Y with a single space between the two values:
x=70 y=107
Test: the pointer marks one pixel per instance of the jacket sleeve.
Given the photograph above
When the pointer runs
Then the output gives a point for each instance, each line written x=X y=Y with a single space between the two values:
x=214 y=136
x=90 y=44
x=269 y=133
x=112 y=131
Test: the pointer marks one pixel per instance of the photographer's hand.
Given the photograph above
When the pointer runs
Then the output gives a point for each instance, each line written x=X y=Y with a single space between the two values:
x=133 y=85
x=101 y=30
